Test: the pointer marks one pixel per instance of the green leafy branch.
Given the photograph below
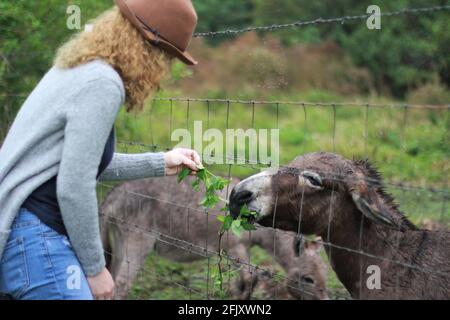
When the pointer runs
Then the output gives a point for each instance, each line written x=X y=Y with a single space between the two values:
x=214 y=184
x=240 y=223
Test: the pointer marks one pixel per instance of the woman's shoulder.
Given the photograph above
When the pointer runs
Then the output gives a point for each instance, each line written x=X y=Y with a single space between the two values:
x=100 y=69
x=95 y=70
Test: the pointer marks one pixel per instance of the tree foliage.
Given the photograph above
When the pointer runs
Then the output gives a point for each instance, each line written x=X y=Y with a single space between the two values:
x=30 y=33
x=407 y=51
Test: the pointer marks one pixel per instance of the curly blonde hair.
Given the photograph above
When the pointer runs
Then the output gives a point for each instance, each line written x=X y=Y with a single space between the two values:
x=116 y=41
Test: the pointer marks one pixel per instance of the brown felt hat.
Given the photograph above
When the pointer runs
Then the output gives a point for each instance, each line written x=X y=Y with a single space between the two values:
x=167 y=24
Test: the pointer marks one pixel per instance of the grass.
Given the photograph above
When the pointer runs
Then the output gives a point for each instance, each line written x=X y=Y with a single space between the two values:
x=162 y=279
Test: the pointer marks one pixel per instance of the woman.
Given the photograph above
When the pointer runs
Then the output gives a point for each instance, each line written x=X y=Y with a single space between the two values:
x=62 y=142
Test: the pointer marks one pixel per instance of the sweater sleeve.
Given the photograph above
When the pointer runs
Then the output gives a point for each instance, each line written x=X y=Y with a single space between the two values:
x=90 y=116
x=134 y=166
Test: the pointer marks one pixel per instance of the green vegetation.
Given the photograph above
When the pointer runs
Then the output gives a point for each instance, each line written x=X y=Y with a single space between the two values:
x=163 y=279
x=212 y=183
x=240 y=223
x=405 y=53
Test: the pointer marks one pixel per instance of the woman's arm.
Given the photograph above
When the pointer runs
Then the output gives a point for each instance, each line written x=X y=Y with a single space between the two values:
x=134 y=166
x=90 y=116
x=145 y=165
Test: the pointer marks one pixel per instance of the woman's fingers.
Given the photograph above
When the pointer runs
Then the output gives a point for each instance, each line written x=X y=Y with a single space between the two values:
x=192 y=154
x=189 y=163
x=180 y=158
x=102 y=285
x=106 y=296
x=196 y=158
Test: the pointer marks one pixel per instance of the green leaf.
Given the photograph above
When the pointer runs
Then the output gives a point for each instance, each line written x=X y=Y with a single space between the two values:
x=204 y=202
x=210 y=201
x=236 y=228
x=212 y=184
x=196 y=185
x=221 y=218
x=217 y=184
x=245 y=212
x=243 y=209
x=248 y=226
x=201 y=174
x=227 y=223
x=183 y=174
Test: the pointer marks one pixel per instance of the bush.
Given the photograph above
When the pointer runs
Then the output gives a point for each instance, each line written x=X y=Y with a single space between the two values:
x=429 y=93
x=260 y=66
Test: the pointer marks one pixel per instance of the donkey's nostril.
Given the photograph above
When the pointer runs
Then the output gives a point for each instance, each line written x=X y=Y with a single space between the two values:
x=237 y=200
x=243 y=197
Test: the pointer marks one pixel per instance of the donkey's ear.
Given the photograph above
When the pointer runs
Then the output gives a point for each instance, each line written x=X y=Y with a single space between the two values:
x=370 y=204
x=313 y=246
x=365 y=187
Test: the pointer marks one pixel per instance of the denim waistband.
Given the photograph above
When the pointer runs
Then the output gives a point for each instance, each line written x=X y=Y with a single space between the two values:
x=24 y=217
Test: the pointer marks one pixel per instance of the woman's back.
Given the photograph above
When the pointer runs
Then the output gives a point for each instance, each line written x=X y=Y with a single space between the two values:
x=32 y=150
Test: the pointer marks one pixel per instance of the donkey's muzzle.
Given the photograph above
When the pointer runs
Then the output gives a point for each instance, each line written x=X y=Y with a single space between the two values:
x=237 y=200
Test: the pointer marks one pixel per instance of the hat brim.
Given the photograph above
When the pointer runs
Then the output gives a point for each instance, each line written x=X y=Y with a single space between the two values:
x=184 y=56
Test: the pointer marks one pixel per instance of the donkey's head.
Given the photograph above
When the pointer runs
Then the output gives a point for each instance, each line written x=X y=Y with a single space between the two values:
x=314 y=190
x=307 y=279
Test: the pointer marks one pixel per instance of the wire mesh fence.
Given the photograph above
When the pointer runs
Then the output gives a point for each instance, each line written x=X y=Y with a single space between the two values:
x=161 y=243
x=167 y=211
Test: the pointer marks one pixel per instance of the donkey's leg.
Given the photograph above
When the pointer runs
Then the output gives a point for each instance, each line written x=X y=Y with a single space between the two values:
x=130 y=250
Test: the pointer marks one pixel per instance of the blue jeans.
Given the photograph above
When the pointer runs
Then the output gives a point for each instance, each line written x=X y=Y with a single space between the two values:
x=39 y=263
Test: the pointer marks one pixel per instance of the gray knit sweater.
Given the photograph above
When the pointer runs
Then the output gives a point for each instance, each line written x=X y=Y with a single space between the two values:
x=62 y=129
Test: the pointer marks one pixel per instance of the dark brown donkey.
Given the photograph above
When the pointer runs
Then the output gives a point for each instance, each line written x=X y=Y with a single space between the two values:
x=145 y=215
x=344 y=202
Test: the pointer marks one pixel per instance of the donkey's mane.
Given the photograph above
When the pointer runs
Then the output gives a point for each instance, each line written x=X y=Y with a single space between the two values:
x=376 y=180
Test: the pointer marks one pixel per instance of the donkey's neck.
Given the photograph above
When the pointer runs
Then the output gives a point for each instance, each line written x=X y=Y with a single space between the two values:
x=350 y=235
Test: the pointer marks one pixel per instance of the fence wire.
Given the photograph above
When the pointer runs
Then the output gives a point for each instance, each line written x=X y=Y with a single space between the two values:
x=341 y=20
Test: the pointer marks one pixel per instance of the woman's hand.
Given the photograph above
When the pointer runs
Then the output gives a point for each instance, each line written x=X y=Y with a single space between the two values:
x=179 y=158
x=102 y=285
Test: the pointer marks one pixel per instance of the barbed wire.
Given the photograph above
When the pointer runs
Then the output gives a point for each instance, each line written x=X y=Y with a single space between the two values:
x=343 y=19
x=296 y=24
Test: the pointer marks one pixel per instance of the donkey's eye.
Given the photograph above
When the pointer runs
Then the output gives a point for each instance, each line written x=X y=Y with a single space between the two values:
x=307 y=279
x=313 y=179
